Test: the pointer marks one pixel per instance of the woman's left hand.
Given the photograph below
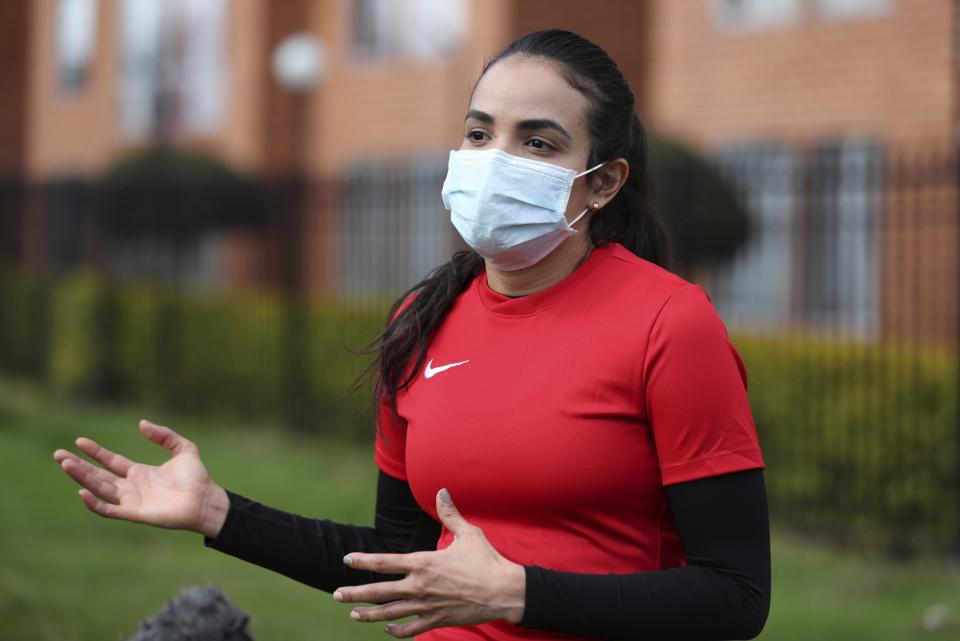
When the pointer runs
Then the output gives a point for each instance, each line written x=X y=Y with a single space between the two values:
x=466 y=583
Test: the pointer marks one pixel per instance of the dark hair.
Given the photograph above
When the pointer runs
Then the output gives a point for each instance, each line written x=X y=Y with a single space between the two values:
x=629 y=218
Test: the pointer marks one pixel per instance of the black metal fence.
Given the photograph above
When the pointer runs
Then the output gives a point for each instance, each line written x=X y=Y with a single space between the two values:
x=844 y=304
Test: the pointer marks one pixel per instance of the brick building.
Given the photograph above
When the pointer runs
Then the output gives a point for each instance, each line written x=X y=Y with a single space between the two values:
x=780 y=92
x=838 y=120
x=723 y=72
x=386 y=112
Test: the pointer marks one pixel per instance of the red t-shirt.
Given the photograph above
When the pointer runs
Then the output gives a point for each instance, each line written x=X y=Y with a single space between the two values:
x=556 y=419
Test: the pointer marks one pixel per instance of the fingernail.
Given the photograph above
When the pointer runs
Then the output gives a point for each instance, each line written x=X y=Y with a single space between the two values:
x=388 y=629
x=354 y=615
x=347 y=561
x=445 y=497
x=338 y=595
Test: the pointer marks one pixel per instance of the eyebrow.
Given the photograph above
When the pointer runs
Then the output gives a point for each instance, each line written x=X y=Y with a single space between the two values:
x=528 y=124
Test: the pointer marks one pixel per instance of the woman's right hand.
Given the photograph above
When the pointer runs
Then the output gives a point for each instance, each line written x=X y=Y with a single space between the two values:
x=178 y=494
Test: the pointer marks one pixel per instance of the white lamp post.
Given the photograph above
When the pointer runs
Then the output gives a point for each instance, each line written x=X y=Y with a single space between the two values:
x=299 y=66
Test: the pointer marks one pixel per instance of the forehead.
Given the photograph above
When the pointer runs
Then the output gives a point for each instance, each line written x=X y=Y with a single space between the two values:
x=520 y=88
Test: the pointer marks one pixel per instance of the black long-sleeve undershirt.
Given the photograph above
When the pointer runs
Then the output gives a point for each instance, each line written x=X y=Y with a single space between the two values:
x=722 y=593
x=311 y=551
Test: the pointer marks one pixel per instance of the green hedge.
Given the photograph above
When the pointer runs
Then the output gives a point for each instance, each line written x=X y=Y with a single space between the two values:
x=136 y=361
x=228 y=356
x=222 y=355
x=24 y=302
x=860 y=440
x=76 y=357
x=338 y=334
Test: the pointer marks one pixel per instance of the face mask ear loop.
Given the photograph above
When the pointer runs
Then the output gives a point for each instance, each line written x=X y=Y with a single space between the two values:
x=585 y=209
x=594 y=168
x=575 y=220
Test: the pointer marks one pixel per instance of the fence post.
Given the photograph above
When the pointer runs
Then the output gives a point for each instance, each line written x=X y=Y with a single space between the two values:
x=294 y=332
x=956 y=346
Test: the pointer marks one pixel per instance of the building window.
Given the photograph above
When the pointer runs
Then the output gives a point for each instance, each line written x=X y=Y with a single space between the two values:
x=753 y=289
x=395 y=229
x=844 y=9
x=811 y=252
x=172 y=67
x=756 y=14
x=840 y=244
x=421 y=29
x=76 y=38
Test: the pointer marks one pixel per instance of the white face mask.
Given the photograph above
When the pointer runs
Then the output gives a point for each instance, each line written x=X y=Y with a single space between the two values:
x=510 y=210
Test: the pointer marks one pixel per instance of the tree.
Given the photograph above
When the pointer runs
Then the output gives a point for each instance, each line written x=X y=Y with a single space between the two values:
x=176 y=195
x=707 y=221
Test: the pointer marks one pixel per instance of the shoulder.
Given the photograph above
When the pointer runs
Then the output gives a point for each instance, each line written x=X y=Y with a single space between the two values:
x=639 y=284
x=401 y=304
x=657 y=303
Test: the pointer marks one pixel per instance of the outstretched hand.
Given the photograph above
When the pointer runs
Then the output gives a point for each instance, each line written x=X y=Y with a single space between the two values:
x=178 y=494
x=466 y=583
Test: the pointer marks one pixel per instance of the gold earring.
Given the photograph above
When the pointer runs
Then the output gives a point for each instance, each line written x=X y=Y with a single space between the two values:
x=595 y=206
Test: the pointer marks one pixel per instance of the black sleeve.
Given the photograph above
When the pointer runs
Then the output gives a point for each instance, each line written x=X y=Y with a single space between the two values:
x=722 y=593
x=311 y=551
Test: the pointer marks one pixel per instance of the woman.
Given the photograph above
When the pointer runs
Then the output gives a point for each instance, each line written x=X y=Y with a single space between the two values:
x=582 y=404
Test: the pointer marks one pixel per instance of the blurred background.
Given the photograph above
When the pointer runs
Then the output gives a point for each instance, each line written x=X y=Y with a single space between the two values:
x=207 y=207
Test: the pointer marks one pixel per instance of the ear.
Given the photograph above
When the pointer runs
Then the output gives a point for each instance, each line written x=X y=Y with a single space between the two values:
x=610 y=179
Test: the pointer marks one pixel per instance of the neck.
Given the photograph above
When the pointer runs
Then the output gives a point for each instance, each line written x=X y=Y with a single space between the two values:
x=556 y=266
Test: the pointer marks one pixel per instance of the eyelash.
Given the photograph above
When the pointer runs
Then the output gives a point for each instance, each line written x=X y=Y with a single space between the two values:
x=546 y=145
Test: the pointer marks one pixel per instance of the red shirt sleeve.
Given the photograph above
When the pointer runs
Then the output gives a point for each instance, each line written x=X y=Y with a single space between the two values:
x=390 y=448
x=695 y=387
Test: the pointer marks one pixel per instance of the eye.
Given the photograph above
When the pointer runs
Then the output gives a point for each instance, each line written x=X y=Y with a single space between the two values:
x=540 y=145
x=477 y=136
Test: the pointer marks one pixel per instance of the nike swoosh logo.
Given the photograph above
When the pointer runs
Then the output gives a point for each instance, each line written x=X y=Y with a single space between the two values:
x=432 y=371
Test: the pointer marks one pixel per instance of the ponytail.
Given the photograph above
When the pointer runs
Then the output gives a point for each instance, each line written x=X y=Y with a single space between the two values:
x=630 y=218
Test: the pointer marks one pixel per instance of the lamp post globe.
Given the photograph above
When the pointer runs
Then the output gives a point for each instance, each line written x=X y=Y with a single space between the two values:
x=300 y=62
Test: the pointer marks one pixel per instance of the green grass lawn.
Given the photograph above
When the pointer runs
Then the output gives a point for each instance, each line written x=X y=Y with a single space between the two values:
x=68 y=575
